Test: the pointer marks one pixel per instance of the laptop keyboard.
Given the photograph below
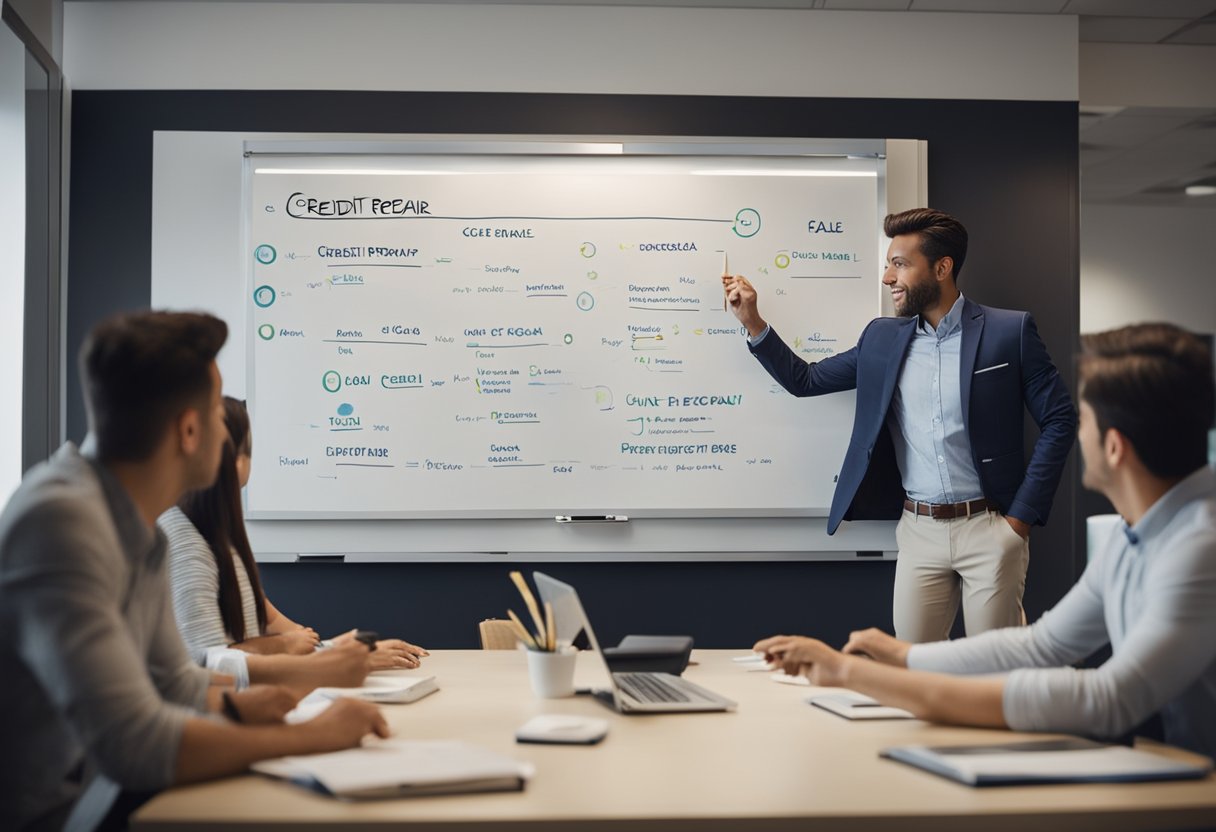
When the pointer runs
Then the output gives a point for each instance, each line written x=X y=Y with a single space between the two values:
x=646 y=687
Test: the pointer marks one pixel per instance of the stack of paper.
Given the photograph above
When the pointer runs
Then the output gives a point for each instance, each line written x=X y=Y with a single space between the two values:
x=402 y=768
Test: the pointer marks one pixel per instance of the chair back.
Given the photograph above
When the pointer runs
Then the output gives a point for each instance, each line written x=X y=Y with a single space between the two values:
x=496 y=634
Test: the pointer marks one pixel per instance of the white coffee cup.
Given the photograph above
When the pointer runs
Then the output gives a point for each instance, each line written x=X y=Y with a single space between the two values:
x=552 y=674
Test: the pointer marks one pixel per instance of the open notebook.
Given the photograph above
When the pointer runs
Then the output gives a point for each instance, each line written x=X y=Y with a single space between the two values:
x=402 y=768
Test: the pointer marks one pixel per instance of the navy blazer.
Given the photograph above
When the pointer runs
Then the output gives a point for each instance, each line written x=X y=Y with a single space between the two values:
x=1002 y=365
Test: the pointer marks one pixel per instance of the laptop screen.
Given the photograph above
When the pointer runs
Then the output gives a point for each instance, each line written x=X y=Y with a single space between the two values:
x=570 y=618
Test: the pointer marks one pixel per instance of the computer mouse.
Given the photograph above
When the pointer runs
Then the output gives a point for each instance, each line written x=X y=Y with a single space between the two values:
x=562 y=728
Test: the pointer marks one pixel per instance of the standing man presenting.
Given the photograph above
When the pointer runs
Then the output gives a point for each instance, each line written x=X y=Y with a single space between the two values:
x=948 y=380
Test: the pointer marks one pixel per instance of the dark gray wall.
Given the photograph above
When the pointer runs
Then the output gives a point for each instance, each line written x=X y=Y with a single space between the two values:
x=1007 y=169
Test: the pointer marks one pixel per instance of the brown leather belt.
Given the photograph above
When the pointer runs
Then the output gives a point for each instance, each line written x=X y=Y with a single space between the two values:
x=949 y=511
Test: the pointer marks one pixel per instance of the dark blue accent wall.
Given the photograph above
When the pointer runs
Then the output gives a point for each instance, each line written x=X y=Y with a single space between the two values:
x=1008 y=169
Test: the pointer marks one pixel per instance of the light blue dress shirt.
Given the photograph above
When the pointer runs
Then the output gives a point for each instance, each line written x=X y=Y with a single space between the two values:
x=932 y=448
x=1151 y=594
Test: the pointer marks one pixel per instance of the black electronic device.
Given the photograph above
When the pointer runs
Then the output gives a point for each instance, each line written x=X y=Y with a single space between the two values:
x=649 y=654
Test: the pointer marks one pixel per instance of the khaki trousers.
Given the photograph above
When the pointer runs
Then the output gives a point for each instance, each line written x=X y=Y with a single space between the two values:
x=977 y=559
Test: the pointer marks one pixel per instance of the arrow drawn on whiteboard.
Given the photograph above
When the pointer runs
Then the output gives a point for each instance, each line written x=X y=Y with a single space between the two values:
x=327 y=476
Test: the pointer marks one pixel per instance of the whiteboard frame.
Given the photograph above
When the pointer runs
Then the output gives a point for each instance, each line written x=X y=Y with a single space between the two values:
x=214 y=158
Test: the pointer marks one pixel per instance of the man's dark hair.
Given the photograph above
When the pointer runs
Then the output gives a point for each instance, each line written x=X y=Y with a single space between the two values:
x=216 y=513
x=1154 y=384
x=941 y=235
x=140 y=370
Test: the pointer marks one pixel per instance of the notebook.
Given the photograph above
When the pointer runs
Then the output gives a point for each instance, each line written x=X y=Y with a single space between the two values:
x=855 y=706
x=1072 y=760
x=628 y=693
x=385 y=689
x=401 y=768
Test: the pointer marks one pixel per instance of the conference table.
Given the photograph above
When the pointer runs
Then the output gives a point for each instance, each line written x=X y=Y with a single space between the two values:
x=776 y=763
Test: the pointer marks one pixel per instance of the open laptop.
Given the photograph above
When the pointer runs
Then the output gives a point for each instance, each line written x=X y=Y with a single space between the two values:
x=629 y=693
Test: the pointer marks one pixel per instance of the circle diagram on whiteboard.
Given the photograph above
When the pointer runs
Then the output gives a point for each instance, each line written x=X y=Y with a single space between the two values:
x=587 y=250
x=331 y=381
x=265 y=254
x=263 y=296
x=266 y=332
x=584 y=301
x=747 y=222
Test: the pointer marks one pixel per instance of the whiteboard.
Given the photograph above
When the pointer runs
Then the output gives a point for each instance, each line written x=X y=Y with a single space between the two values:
x=472 y=334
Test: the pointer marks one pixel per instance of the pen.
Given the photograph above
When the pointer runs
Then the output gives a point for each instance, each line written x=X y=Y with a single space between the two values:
x=725 y=273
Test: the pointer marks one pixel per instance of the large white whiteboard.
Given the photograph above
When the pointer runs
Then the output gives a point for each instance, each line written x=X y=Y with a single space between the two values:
x=521 y=335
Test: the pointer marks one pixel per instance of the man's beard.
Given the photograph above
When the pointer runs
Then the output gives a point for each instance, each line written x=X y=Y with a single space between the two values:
x=919 y=298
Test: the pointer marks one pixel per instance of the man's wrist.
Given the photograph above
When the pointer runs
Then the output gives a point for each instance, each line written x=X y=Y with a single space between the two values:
x=901 y=654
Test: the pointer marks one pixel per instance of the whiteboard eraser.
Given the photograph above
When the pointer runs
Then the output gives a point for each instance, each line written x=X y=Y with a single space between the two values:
x=591 y=518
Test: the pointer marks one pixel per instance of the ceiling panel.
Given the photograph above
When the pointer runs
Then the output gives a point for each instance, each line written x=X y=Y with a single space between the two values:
x=1188 y=114
x=1129 y=29
x=1204 y=33
x=868 y=5
x=1129 y=131
x=1142 y=8
x=1023 y=7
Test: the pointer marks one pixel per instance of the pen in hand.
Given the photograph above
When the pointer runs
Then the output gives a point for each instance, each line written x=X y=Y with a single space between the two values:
x=725 y=275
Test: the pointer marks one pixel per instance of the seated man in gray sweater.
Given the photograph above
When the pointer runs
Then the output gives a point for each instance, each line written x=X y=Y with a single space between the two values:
x=1147 y=403
x=100 y=701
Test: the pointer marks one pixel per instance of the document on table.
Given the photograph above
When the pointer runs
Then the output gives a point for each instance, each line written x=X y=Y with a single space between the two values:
x=753 y=662
x=402 y=768
x=1045 y=761
x=783 y=678
x=385 y=689
x=856 y=706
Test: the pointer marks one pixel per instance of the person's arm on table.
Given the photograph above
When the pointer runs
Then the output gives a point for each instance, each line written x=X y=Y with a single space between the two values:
x=1169 y=647
x=930 y=696
x=344 y=666
x=390 y=653
x=1070 y=631
x=282 y=636
x=297 y=642
x=211 y=749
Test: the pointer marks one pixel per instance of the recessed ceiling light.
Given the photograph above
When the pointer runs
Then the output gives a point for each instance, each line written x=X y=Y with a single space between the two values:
x=1200 y=190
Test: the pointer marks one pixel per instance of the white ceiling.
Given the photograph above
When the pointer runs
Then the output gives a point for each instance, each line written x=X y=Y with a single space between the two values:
x=1132 y=155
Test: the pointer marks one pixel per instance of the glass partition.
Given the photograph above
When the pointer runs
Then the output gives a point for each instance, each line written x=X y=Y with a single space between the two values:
x=12 y=243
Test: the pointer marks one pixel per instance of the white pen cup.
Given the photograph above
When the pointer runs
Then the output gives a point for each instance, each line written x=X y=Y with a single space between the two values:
x=552 y=674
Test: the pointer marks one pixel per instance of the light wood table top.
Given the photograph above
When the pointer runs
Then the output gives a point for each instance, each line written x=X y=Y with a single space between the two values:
x=776 y=763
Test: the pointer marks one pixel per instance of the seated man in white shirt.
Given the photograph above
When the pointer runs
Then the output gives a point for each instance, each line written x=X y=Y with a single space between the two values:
x=1147 y=404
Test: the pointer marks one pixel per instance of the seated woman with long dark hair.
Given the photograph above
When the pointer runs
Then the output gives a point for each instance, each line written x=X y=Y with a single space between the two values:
x=217 y=592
